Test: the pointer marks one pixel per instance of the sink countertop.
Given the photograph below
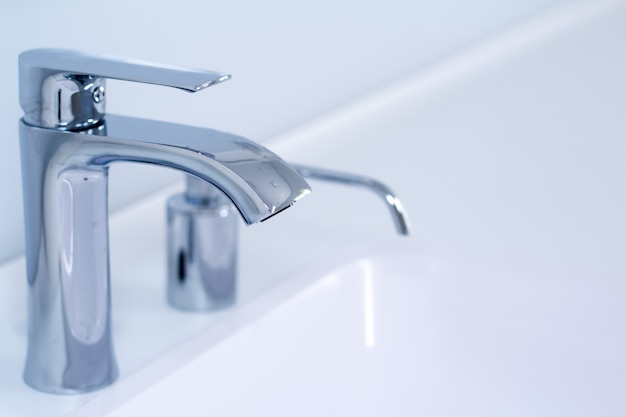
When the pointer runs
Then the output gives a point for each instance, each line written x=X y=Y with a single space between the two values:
x=510 y=161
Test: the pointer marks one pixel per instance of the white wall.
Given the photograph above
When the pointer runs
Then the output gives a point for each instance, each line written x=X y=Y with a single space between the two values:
x=291 y=61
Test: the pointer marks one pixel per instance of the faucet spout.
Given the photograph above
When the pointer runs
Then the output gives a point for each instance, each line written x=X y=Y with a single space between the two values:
x=257 y=181
x=65 y=182
x=398 y=214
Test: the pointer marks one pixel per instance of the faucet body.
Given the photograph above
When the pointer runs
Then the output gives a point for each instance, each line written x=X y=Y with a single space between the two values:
x=67 y=146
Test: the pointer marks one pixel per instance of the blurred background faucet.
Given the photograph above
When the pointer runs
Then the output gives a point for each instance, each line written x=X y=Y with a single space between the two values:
x=67 y=145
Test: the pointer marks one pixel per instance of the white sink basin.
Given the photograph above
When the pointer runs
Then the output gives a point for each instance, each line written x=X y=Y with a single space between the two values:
x=507 y=300
x=354 y=342
x=403 y=337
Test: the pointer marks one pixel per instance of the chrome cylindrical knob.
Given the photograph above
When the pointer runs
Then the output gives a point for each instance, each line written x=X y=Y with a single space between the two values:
x=202 y=248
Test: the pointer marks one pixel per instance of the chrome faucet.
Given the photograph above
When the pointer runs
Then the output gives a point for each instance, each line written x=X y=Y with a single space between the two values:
x=67 y=144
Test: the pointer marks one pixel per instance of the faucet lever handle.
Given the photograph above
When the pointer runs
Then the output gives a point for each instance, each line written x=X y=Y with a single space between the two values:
x=64 y=89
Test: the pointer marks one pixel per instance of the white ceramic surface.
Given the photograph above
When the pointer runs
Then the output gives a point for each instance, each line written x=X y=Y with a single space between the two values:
x=404 y=337
x=507 y=300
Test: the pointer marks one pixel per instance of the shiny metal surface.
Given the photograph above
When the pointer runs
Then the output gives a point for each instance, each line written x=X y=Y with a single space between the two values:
x=65 y=180
x=398 y=214
x=65 y=89
x=202 y=234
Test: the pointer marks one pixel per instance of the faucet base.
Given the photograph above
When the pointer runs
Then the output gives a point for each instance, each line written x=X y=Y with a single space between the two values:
x=37 y=384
